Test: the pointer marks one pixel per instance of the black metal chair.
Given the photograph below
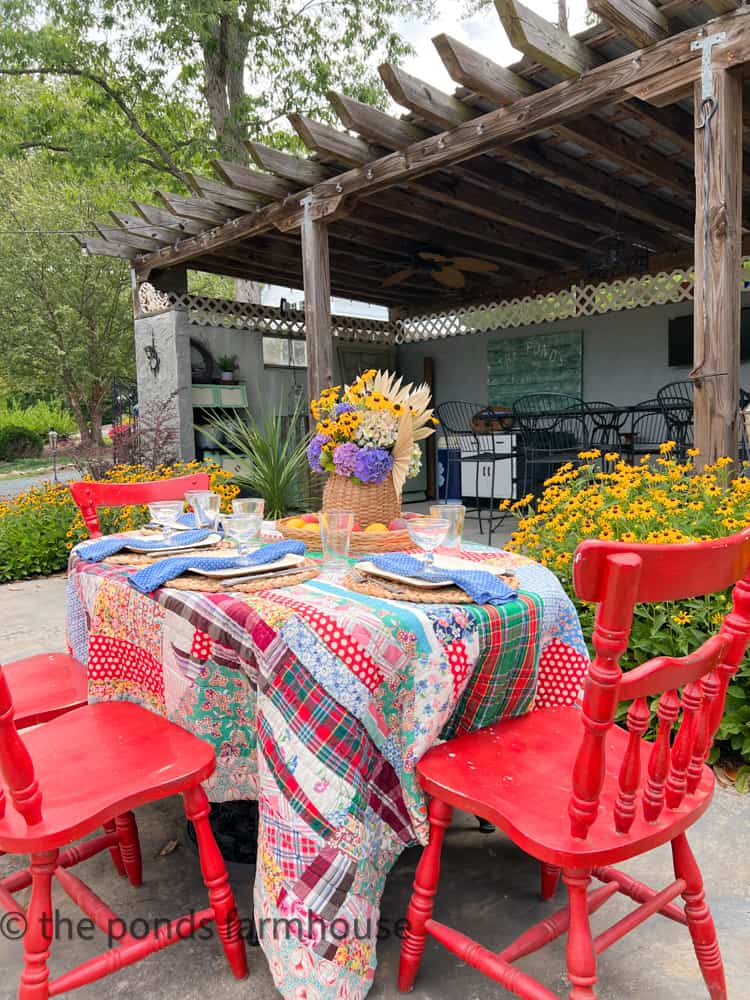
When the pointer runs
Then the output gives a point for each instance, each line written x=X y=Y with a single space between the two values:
x=474 y=448
x=676 y=401
x=648 y=429
x=553 y=427
x=607 y=425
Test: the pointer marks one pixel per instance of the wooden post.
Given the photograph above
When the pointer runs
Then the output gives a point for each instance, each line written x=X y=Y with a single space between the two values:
x=716 y=336
x=317 y=281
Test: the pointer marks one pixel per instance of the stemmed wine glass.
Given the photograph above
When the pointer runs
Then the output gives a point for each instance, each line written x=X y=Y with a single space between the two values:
x=428 y=533
x=165 y=514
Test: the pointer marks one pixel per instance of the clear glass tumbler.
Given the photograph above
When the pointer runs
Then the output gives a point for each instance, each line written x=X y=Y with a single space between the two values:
x=249 y=505
x=336 y=528
x=206 y=507
x=455 y=513
x=244 y=530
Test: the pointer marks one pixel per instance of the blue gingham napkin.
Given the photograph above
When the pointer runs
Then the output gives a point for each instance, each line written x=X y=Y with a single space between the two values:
x=481 y=586
x=101 y=548
x=150 y=578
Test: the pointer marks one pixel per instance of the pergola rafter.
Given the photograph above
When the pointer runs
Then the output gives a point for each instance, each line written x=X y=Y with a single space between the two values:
x=526 y=168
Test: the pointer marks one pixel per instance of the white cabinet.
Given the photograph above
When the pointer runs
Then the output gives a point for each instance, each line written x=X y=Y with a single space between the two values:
x=505 y=470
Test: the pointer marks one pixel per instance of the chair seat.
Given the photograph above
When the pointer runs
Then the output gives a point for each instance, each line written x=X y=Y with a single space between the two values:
x=45 y=686
x=98 y=762
x=517 y=774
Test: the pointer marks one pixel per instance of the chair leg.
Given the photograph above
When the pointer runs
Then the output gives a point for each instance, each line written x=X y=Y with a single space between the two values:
x=700 y=921
x=34 y=983
x=110 y=827
x=215 y=877
x=423 y=897
x=550 y=879
x=581 y=958
x=130 y=847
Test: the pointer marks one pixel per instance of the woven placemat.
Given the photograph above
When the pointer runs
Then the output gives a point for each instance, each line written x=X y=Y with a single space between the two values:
x=192 y=581
x=391 y=590
x=137 y=559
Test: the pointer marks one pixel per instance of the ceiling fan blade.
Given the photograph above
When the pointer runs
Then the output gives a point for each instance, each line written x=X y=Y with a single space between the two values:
x=451 y=277
x=398 y=277
x=473 y=264
x=433 y=256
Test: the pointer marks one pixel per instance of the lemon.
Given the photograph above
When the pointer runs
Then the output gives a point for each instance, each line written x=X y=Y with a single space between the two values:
x=377 y=526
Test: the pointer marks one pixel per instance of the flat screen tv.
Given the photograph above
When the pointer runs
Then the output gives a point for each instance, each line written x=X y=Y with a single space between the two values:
x=680 y=349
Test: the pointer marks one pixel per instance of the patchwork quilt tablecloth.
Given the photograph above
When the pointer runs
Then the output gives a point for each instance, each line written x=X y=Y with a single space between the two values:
x=320 y=702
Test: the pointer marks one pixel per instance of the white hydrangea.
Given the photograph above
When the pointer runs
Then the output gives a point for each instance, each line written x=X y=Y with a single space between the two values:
x=415 y=461
x=377 y=429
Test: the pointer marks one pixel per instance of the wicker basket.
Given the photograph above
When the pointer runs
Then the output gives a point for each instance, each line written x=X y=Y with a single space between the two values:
x=363 y=542
x=371 y=502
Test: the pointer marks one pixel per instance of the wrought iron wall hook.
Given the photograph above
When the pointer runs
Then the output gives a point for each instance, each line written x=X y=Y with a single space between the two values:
x=154 y=361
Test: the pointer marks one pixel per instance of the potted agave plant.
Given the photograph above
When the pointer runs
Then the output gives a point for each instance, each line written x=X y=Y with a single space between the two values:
x=228 y=366
x=367 y=443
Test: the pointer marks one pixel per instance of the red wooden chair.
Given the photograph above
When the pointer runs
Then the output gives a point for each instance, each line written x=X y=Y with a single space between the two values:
x=88 y=768
x=89 y=496
x=580 y=793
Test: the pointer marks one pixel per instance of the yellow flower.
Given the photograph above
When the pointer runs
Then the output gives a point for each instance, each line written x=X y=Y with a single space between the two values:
x=682 y=618
x=667 y=447
x=693 y=452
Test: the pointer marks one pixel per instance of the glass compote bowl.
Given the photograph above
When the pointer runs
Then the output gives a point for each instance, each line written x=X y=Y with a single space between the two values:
x=428 y=533
x=244 y=530
x=165 y=514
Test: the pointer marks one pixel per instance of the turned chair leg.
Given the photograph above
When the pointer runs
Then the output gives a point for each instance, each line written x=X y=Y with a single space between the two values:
x=550 y=877
x=581 y=959
x=423 y=897
x=130 y=847
x=34 y=984
x=215 y=878
x=700 y=921
x=110 y=827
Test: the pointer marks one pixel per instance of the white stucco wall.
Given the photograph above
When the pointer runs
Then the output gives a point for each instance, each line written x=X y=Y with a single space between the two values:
x=624 y=356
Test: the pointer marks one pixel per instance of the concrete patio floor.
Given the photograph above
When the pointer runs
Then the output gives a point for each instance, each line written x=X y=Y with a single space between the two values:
x=489 y=890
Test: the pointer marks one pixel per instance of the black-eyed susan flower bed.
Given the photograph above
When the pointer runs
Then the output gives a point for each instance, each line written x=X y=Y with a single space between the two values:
x=39 y=527
x=659 y=500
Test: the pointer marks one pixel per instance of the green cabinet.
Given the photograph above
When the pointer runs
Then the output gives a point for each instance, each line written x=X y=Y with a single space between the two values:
x=226 y=396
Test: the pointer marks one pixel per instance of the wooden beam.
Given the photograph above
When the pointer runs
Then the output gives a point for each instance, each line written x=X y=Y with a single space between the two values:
x=139 y=227
x=159 y=217
x=263 y=185
x=225 y=195
x=718 y=241
x=106 y=248
x=541 y=40
x=423 y=99
x=304 y=173
x=638 y=20
x=124 y=238
x=317 y=280
x=382 y=128
x=605 y=84
x=199 y=209
x=332 y=143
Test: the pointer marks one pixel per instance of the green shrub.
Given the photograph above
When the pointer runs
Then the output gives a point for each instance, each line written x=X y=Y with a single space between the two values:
x=19 y=442
x=660 y=500
x=38 y=417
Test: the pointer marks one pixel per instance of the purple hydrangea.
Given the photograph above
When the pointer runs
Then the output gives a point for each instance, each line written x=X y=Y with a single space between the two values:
x=344 y=408
x=372 y=465
x=313 y=452
x=345 y=458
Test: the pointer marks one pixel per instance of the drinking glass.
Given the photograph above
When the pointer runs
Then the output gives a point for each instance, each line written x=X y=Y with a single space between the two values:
x=253 y=505
x=244 y=530
x=428 y=533
x=336 y=528
x=206 y=506
x=455 y=514
x=165 y=514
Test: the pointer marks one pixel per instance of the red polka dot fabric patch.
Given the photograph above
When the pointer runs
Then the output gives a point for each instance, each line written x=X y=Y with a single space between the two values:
x=459 y=664
x=114 y=659
x=561 y=673
x=201 y=646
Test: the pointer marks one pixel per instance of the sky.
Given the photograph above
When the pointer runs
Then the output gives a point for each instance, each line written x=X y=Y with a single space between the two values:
x=483 y=32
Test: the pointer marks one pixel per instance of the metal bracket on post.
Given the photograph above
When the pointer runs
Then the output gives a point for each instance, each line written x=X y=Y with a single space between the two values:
x=705 y=45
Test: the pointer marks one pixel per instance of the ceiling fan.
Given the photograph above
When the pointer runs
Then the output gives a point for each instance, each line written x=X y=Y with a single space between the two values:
x=447 y=271
x=613 y=254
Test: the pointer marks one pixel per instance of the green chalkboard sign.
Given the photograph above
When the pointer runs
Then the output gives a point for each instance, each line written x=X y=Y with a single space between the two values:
x=547 y=362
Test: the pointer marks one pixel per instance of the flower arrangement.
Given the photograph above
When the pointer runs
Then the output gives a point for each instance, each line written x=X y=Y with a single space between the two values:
x=370 y=430
x=659 y=500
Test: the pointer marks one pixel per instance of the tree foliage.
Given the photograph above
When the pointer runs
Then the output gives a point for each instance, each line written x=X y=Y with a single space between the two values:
x=65 y=325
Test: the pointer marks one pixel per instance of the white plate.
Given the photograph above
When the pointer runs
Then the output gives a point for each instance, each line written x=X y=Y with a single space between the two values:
x=441 y=562
x=211 y=539
x=285 y=562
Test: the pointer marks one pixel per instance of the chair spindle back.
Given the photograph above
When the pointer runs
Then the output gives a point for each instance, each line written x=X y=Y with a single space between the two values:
x=616 y=577
x=16 y=766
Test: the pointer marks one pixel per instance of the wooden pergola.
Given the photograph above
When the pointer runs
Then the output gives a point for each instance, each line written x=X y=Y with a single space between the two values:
x=633 y=129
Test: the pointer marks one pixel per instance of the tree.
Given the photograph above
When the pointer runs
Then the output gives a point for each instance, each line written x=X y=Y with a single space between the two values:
x=65 y=323
x=247 y=63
